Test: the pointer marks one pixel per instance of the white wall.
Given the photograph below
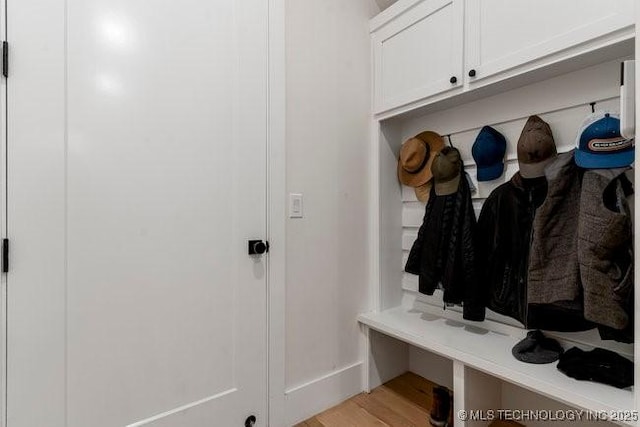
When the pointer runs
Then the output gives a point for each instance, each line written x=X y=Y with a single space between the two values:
x=327 y=135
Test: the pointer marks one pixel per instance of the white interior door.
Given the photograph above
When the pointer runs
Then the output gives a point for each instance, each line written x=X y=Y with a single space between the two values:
x=136 y=175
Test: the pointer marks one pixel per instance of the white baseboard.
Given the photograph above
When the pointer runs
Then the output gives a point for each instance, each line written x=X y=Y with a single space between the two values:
x=309 y=399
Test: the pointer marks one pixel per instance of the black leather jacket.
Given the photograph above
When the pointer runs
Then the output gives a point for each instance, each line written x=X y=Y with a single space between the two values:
x=444 y=251
x=503 y=243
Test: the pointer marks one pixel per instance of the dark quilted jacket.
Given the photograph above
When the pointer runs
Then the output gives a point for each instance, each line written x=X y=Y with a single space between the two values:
x=503 y=238
x=444 y=251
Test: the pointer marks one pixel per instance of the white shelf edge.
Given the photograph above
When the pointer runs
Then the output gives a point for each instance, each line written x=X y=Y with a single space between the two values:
x=566 y=390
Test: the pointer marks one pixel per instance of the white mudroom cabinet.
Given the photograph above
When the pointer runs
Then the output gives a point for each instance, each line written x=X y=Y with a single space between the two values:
x=453 y=67
x=429 y=51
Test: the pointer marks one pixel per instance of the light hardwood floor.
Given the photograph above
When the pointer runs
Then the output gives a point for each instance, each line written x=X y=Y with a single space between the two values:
x=404 y=401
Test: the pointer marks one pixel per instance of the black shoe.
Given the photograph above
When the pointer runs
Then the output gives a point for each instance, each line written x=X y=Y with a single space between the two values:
x=440 y=407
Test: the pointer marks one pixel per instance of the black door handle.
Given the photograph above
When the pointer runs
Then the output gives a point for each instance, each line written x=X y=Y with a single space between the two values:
x=258 y=247
x=453 y=80
x=472 y=73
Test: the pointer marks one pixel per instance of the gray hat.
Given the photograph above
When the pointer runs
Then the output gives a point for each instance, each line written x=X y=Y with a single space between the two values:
x=538 y=349
x=446 y=169
x=536 y=148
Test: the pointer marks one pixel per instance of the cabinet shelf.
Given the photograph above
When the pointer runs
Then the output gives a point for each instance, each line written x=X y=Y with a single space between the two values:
x=490 y=352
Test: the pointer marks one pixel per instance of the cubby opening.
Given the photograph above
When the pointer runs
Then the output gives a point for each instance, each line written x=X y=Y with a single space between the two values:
x=490 y=398
x=390 y=358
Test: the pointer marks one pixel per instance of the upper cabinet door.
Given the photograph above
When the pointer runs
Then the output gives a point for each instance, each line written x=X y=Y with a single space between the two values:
x=504 y=34
x=417 y=53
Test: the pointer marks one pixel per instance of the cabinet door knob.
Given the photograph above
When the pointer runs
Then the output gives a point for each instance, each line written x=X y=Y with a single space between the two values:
x=472 y=73
x=453 y=79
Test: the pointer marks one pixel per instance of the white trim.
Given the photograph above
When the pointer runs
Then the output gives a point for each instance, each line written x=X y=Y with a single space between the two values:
x=391 y=13
x=276 y=219
x=324 y=377
x=374 y=219
x=366 y=363
x=458 y=392
x=3 y=227
x=308 y=399
x=182 y=408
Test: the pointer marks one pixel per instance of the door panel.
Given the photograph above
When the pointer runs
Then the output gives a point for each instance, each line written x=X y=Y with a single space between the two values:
x=417 y=53
x=503 y=34
x=137 y=158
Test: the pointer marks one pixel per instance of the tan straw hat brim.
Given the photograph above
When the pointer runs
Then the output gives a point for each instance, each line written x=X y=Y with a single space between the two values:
x=435 y=143
x=423 y=191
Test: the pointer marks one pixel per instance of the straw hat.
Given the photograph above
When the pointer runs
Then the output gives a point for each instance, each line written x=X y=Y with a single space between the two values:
x=416 y=156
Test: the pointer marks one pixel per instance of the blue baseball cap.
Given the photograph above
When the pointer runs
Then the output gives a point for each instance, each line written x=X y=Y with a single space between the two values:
x=599 y=144
x=488 y=152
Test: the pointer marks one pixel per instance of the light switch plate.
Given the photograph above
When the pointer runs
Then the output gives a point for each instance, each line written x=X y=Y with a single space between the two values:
x=295 y=205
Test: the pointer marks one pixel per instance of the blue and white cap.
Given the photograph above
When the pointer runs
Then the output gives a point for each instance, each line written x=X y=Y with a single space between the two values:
x=599 y=144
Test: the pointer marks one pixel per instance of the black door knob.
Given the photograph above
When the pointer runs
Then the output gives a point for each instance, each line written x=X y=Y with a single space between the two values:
x=258 y=247
x=453 y=79
x=472 y=73
x=250 y=421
